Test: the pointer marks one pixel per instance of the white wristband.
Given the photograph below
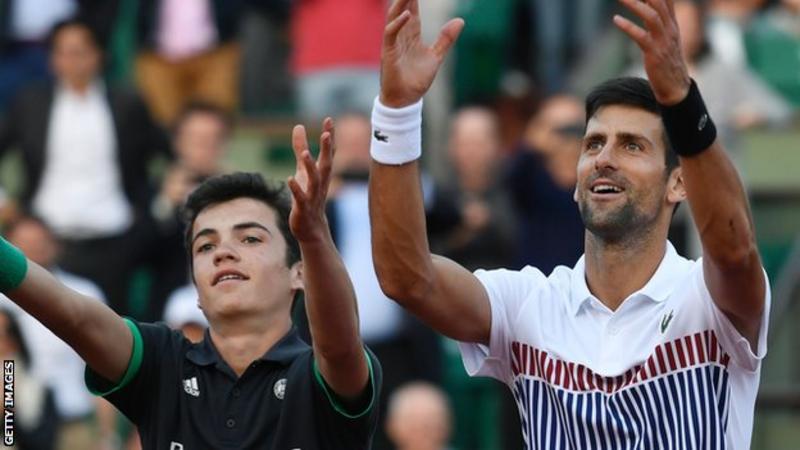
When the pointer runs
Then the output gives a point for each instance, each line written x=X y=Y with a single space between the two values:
x=396 y=133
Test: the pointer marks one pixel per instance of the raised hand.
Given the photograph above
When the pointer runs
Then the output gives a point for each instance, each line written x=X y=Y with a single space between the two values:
x=659 y=41
x=309 y=185
x=408 y=66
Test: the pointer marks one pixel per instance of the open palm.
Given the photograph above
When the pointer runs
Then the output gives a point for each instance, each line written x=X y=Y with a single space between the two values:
x=408 y=66
x=309 y=185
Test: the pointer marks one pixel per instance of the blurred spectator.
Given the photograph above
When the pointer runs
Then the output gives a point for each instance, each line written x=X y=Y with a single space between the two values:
x=183 y=313
x=336 y=55
x=736 y=98
x=484 y=239
x=188 y=50
x=773 y=47
x=727 y=21
x=85 y=151
x=541 y=181
x=419 y=418
x=200 y=139
x=51 y=360
x=24 y=28
x=35 y=418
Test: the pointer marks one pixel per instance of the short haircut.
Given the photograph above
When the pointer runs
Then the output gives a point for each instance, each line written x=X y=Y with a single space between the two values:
x=224 y=188
x=77 y=22
x=202 y=107
x=635 y=92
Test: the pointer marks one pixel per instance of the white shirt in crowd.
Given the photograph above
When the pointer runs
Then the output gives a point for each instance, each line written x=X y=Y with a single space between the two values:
x=81 y=194
x=666 y=370
x=53 y=362
x=379 y=317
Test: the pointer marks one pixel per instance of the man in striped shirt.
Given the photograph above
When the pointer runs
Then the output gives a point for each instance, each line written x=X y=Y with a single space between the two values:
x=635 y=347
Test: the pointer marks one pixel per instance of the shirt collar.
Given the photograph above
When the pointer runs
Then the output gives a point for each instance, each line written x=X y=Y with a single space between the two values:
x=656 y=289
x=283 y=352
x=97 y=88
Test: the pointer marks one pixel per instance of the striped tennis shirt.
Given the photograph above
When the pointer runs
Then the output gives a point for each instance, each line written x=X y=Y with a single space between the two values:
x=666 y=370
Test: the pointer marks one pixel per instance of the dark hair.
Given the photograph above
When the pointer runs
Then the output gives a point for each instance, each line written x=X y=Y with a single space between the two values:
x=78 y=22
x=224 y=188
x=202 y=107
x=15 y=334
x=630 y=91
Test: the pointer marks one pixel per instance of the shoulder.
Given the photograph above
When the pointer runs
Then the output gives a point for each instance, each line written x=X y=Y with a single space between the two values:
x=519 y=286
x=125 y=98
x=32 y=96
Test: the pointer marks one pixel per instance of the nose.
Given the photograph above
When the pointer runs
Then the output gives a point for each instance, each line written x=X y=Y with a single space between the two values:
x=605 y=159
x=225 y=252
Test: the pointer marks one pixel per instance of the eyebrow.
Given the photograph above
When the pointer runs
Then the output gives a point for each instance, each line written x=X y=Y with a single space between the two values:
x=626 y=136
x=238 y=226
x=623 y=135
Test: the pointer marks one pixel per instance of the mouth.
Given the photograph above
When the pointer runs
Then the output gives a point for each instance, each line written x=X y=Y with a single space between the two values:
x=229 y=276
x=605 y=189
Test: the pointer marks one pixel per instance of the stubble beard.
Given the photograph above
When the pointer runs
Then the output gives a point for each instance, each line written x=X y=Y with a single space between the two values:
x=615 y=226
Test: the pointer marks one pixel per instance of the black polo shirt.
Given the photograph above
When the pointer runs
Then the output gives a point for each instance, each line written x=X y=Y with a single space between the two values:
x=183 y=396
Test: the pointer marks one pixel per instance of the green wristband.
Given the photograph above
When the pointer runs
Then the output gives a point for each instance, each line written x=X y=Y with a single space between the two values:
x=13 y=266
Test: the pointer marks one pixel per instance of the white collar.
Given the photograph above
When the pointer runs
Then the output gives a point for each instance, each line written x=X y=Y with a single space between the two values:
x=657 y=289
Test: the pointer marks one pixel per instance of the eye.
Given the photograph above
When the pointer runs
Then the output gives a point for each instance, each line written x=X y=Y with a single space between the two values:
x=251 y=240
x=633 y=147
x=205 y=247
x=594 y=145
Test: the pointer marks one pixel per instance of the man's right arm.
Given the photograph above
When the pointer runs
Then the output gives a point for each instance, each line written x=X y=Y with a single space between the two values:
x=90 y=327
x=440 y=292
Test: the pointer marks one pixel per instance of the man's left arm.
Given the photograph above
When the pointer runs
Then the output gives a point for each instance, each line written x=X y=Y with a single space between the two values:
x=717 y=198
x=339 y=354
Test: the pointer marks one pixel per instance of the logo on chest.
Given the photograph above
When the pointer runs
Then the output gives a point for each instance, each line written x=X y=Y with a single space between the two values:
x=190 y=387
x=665 y=321
x=280 y=388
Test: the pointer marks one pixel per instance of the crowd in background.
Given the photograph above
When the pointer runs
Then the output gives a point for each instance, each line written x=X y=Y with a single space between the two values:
x=116 y=110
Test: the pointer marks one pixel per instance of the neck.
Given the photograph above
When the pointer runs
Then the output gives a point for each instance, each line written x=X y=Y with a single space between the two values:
x=239 y=345
x=80 y=87
x=615 y=270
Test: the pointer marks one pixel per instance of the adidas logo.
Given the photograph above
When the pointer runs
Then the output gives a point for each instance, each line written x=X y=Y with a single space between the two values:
x=190 y=387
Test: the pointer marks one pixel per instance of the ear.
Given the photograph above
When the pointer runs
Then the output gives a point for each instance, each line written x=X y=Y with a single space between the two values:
x=676 y=191
x=296 y=274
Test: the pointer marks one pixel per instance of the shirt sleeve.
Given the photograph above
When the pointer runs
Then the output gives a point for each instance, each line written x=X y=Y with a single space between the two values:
x=736 y=345
x=342 y=426
x=508 y=291
x=149 y=364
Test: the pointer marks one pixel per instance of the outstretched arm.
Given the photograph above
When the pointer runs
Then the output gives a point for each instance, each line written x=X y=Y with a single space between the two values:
x=330 y=298
x=717 y=198
x=90 y=327
x=443 y=294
